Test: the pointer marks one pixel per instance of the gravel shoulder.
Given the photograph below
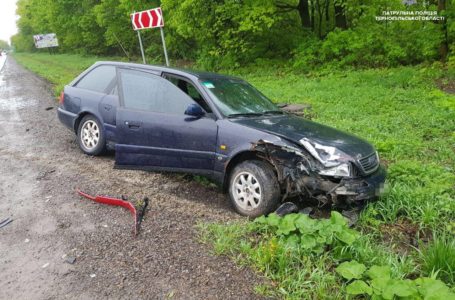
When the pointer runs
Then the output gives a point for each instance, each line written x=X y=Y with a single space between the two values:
x=41 y=166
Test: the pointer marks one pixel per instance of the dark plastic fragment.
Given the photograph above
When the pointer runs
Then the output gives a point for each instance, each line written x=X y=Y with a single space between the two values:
x=286 y=208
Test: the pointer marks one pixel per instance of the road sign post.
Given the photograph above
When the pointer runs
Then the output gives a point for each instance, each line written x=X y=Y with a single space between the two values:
x=142 y=47
x=151 y=18
x=164 y=46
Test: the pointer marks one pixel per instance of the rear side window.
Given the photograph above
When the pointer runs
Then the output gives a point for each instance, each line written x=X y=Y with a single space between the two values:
x=151 y=92
x=98 y=79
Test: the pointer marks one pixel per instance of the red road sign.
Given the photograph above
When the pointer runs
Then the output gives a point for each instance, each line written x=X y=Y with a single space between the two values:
x=147 y=19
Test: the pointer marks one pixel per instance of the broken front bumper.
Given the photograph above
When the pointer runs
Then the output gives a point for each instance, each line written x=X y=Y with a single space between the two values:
x=347 y=191
x=299 y=176
x=363 y=188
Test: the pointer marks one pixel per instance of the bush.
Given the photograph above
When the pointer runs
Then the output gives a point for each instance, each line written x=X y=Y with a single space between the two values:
x=372 y=46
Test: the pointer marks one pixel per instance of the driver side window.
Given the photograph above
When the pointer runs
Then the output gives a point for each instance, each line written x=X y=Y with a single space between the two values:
x=189 y=89
x=146 y=91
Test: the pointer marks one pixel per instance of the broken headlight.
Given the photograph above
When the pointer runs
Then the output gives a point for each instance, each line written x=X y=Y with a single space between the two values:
x=335 y=161
x=343 y=170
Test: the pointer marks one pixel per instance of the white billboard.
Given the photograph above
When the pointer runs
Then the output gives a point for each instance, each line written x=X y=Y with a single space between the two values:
x=45 y=40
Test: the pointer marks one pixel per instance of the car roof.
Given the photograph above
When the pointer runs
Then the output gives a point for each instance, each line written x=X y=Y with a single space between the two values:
x=198 y=75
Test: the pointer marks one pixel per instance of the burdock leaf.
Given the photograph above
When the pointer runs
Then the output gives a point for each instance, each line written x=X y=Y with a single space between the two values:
x=379 y=272
x=351 y=270
x=359 y=287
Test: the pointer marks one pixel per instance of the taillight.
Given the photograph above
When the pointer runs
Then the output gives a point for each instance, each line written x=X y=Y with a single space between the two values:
x=61 y=98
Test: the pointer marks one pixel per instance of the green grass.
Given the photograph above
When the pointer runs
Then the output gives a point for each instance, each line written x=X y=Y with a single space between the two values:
x=440 y=257
x=411 y=123
x=58 y=69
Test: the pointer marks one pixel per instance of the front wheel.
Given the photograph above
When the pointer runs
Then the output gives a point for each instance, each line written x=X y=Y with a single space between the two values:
x=254 y=188
x=91 y=136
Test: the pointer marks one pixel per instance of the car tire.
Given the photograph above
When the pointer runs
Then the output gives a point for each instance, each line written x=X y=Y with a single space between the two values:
x=254 y=188
x=91 y=136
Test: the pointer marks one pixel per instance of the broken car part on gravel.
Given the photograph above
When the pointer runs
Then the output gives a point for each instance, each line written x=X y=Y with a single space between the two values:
x=137 y=214
x=5 y=222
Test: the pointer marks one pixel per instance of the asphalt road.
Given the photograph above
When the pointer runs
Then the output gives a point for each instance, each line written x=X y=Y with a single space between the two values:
x=2 y=61
x=40 y=168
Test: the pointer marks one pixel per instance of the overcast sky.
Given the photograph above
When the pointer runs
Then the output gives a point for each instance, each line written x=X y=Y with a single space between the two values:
x=7 y=19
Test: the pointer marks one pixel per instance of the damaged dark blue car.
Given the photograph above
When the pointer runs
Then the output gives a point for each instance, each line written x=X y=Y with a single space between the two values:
x=165 y=119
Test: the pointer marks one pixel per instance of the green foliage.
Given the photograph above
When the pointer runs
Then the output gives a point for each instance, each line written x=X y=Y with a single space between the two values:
x=229 y=34
x=439 y=257
x=371 y=43
x=358 y=287
x=378 y=284
x=300 y=231
x=376 y=272
x=4 y=45
x=351 y=270
x=58 y=69
x=421 y=191
x=232 y=33
x=290 y=250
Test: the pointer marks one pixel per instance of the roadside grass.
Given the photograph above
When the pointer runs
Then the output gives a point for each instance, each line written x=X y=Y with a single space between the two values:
x=58 y=69
x=410 y=230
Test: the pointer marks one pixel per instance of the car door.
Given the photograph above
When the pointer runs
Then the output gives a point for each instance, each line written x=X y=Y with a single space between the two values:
x=108 y=111
x=152 y=130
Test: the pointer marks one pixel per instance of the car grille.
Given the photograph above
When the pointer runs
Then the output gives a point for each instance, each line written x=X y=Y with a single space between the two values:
x=355 y=172
x=369 y=163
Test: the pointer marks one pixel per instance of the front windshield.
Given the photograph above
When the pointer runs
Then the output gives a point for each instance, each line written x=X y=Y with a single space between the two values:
x=236 y=97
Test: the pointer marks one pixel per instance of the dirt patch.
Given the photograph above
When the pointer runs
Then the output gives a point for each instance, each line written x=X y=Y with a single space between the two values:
x=447 y=85
x=40 y=171
x=404 y=236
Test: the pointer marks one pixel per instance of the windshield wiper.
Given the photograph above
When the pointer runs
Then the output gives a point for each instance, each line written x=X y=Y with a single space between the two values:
x=251 y=114
x=273 y=112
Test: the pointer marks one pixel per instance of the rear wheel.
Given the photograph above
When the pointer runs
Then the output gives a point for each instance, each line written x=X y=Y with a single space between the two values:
x=254 y=188
x=91 y=136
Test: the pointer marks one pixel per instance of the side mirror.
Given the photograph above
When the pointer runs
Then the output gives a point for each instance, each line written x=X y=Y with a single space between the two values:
x=194 y=110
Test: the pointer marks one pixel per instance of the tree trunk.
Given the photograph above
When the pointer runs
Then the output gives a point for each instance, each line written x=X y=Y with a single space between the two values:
x=444 y=47
x=327 y=15
x=304 y=13
x=340 y=17
x=320 y=13
x=312 y=15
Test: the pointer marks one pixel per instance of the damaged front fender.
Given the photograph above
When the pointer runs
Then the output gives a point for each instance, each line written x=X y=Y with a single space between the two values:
x=298 y=175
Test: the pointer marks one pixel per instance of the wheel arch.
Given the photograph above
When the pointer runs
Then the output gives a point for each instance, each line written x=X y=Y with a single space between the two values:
x=82 y=115
x=239 y=158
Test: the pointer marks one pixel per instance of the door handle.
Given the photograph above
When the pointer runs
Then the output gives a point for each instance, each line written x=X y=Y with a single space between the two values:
x=133 y=125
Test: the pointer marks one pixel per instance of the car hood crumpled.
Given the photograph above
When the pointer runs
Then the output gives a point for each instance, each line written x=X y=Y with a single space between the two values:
x=295 y=128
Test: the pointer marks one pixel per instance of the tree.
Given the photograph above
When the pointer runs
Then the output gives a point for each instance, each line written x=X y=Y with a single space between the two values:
x=444 y=47
x=302 y=7
x=340 y=17
x=230 y=32
x=4 y=45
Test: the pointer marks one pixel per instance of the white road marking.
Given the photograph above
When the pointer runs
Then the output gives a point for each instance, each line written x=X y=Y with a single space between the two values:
x=2 y=62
